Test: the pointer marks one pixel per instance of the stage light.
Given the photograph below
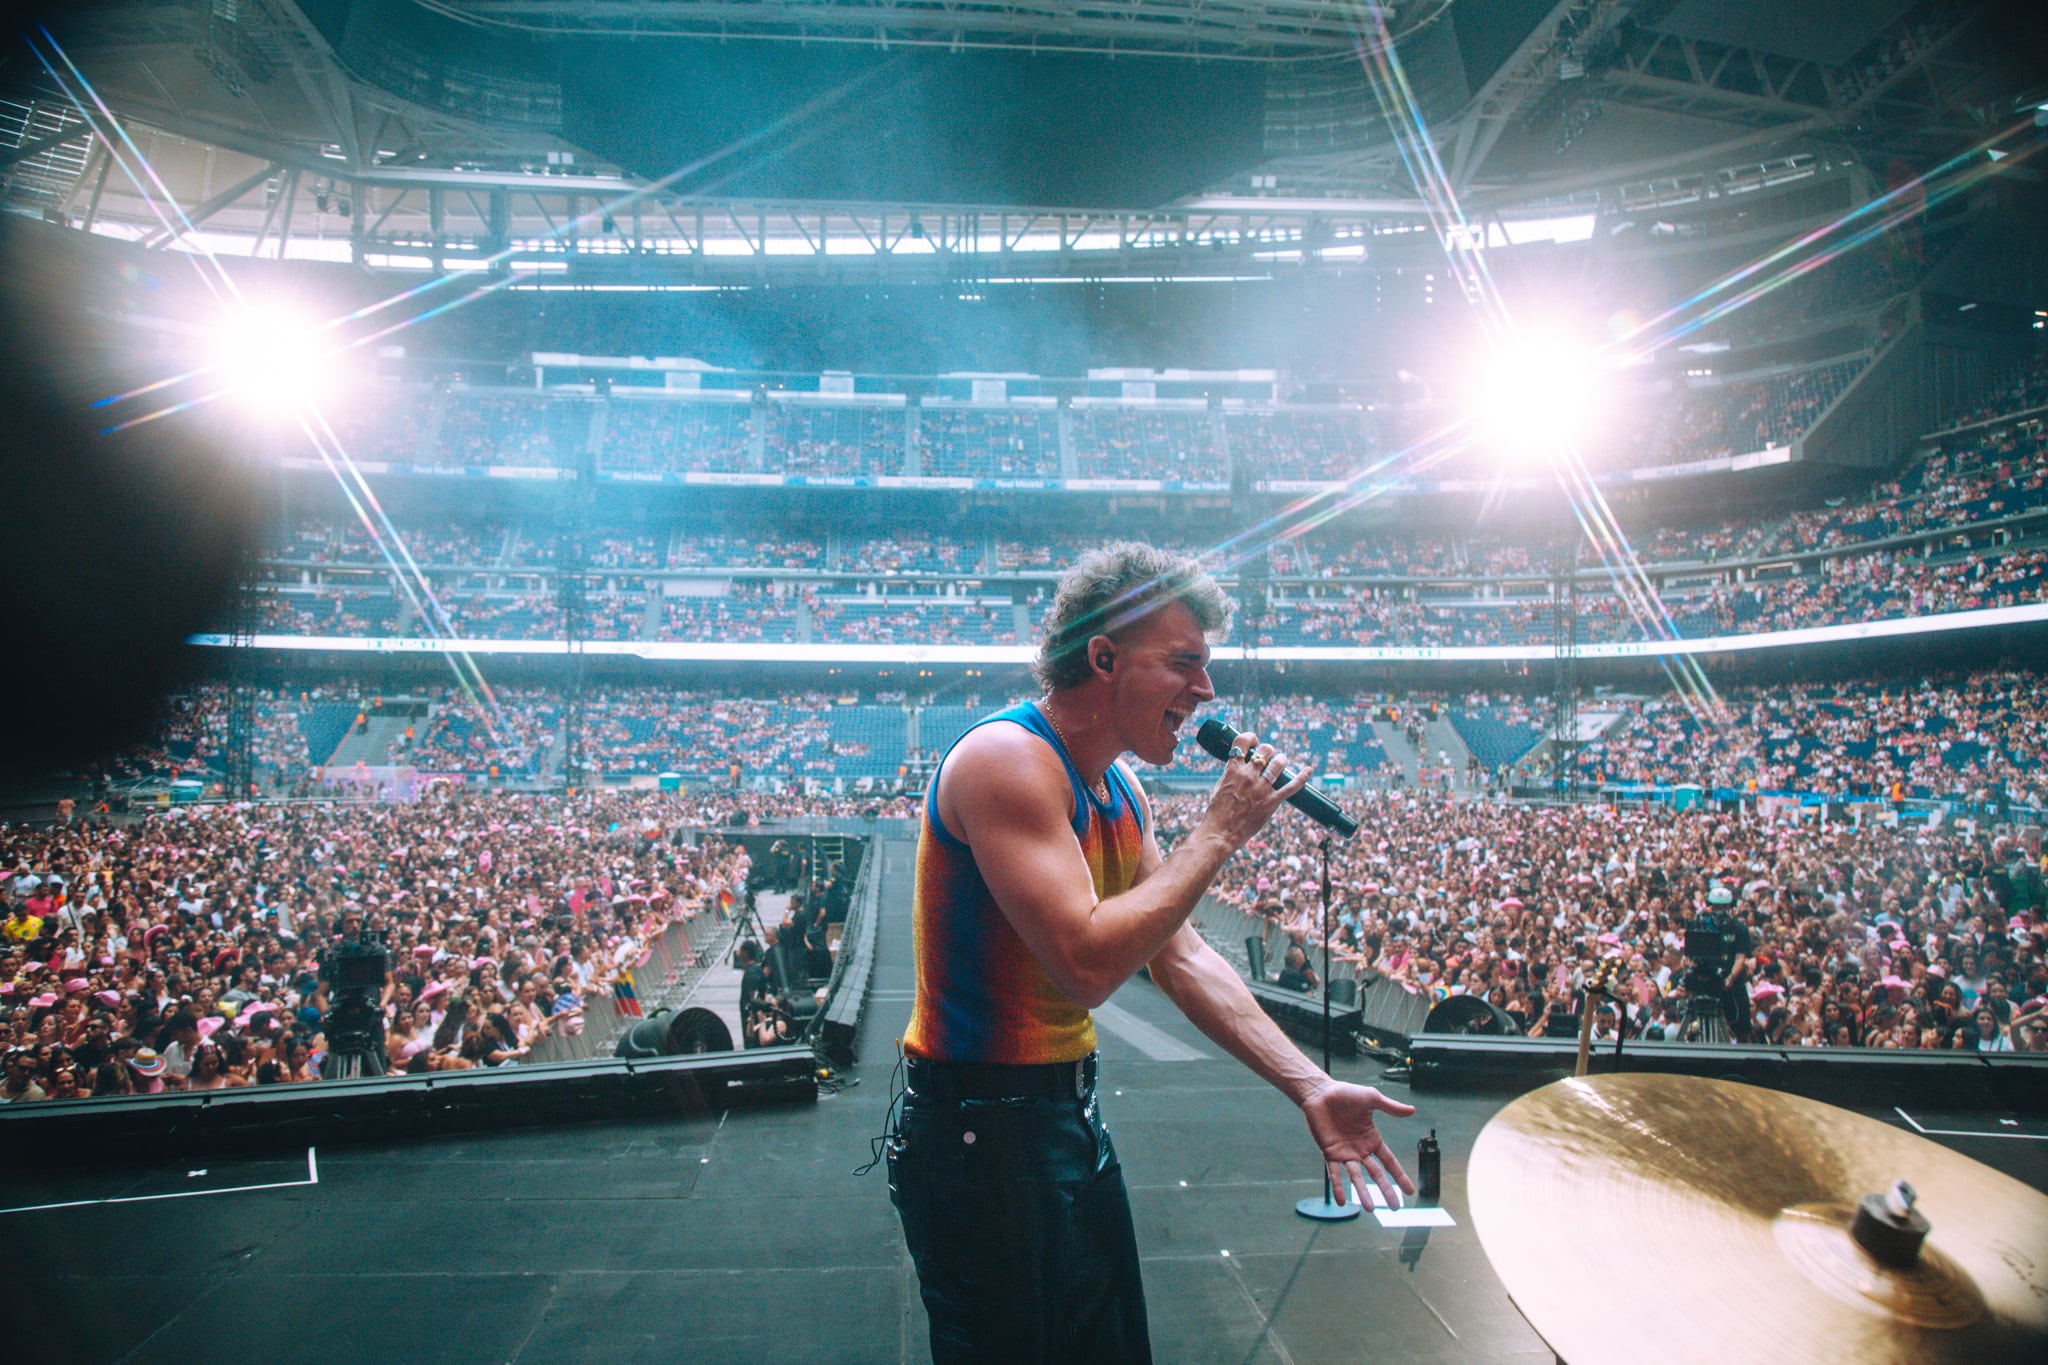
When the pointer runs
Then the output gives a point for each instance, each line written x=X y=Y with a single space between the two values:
x=273 y=360
x=1536 y=395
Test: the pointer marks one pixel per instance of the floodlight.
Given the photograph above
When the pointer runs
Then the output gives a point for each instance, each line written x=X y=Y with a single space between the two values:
x=1536 y=394
x=272 y=359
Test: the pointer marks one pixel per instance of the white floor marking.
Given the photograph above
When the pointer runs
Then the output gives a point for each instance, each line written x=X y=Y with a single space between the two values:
x=312 y=1178
x=1155 y=1043
x=1966 y=1132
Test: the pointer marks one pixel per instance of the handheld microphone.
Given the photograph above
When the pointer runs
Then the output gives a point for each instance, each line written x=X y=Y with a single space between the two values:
x=1217 y=737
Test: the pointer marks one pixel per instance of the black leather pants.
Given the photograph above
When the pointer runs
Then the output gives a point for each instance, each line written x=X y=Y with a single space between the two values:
x=1017 y=1219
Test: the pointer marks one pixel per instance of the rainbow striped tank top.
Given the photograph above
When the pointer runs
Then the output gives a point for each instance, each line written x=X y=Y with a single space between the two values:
x=981 y=995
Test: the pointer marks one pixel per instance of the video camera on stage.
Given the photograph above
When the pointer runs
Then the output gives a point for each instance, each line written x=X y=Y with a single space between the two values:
x=1713 y=940
x=1710 y=944
x=356 y=964
x=354 y=969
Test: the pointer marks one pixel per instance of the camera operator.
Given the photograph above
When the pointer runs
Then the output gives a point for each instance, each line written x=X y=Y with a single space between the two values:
x=1735 y=981
x=754 y=984
x=353 y=1012
x=763 y=1012
x=349 y=941
x=769 y=1025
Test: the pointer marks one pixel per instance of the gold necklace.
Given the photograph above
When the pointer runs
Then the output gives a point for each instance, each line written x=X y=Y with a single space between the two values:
x=1101 y=787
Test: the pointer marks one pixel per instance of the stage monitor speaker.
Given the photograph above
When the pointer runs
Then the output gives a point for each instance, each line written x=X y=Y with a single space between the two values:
x=1301 y=1016
x=690 y=1033
x=1471 y=1014
x=648 y=1038
x=698 y=1031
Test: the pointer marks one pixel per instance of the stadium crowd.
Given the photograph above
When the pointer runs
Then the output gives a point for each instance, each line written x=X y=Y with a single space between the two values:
x=2027 y=393
x=862 y=436
x=184 y=950
x=1990 y=473
x=1877 y=584
x=1980 y=739
x=656 y=436
x=1870 y=935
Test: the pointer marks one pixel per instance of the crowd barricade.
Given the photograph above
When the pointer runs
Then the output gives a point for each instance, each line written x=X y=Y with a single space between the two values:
x=1389 y=1008
x=837 y=1024
x=1835 y=806
x=660 y=976
x=1394 y=1008
x=603 y=1022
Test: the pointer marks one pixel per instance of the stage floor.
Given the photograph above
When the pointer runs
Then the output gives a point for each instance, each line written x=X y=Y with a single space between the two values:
x=746 y=1237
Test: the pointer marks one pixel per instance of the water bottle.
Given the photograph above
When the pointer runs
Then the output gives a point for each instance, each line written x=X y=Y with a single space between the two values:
x=1429 y=1170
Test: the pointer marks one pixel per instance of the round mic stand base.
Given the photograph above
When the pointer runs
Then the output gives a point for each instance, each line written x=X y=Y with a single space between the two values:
x=1327 y=1209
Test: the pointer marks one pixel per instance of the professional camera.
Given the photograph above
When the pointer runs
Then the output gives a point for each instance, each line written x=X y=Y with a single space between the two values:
x=354 y=969
x=1712 y=940
x=1710 y=947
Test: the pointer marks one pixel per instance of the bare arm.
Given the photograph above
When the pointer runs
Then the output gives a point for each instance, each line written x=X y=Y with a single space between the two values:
x=1340 y=1116
x=1207 y=990
x=1007 y=795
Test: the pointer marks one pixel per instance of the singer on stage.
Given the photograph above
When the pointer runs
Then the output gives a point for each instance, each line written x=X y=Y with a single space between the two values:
x=1040 y=890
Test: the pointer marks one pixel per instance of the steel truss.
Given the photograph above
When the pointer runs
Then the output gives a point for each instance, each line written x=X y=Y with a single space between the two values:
x=1526 y=79
x=1254 y=30
x=572 y=598
x=1564 y=682
x=1923 y=80
x=610 y=229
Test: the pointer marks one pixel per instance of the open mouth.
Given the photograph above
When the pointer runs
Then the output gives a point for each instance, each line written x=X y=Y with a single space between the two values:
x=1176 y=719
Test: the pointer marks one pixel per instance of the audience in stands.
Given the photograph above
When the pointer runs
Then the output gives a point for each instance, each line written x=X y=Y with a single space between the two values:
x=2025 y=394
x=1871 y=935
x=1988 y=474
x=1180 y=440
x=1982 y=739
x=1978 y=739
x=183 y=951
x=677 y=436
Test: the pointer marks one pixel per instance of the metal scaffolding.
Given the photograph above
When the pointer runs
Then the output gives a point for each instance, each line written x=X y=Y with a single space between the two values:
x=1254 y=577
x=572 y=597
x=238 y=781
x=1564 y=683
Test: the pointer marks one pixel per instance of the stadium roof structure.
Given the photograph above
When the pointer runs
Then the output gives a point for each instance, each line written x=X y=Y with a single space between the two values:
x=447 y=134
x=1239 y=30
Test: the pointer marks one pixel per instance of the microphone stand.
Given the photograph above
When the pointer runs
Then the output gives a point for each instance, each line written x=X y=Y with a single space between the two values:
x=1327 y=1209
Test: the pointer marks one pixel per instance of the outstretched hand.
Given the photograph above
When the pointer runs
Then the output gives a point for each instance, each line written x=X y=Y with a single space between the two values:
x=1340 y=1118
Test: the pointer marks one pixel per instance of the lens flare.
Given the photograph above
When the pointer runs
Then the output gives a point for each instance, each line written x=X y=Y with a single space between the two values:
x=1535 y=395
x=271 y=360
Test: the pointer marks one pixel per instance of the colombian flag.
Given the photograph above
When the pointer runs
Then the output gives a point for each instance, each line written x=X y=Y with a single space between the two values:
x=725 y=899
x=622 y=991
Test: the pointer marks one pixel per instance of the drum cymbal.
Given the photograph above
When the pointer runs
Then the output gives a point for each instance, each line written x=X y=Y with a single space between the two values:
x=1670 y=1218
